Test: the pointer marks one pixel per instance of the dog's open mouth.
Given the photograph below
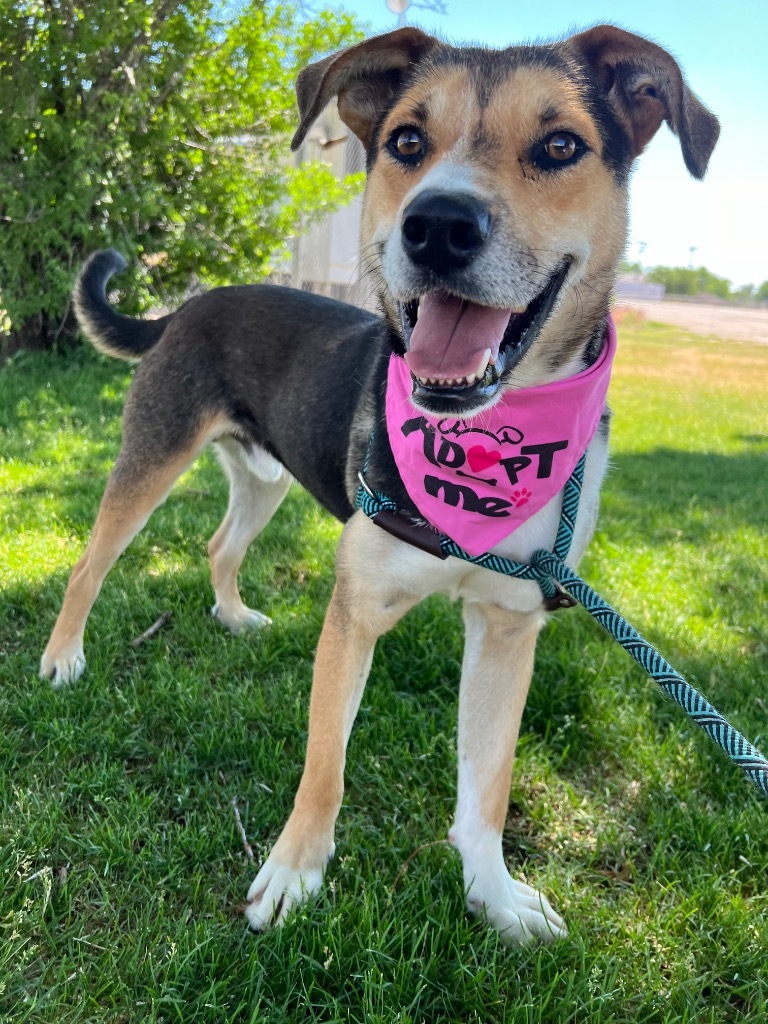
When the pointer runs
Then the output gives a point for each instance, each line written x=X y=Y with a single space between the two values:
x=458 y=351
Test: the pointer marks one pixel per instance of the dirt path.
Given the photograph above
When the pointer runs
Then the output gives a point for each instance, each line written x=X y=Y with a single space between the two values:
x=734 y=322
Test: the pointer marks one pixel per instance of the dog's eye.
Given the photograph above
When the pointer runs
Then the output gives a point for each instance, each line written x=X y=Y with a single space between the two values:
x=561 y=147
x=407 y=144
x=558 y=150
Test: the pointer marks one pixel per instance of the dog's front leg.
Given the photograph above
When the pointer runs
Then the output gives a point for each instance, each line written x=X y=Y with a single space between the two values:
x=363 y=607
x=496 y=674
x=294 y=868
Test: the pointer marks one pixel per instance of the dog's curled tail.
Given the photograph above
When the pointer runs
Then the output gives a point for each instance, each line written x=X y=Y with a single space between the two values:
x=107 y=330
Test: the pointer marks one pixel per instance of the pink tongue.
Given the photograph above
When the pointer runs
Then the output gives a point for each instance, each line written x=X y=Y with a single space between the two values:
x=451 y=335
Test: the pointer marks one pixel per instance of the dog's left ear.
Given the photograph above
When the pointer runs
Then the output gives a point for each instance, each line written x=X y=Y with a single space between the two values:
x=645 y=86
x=365 y=78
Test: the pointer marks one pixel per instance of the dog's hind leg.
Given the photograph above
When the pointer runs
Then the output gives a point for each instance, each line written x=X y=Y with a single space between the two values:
x=496 y=673
x=258 y=483
x=140 y=481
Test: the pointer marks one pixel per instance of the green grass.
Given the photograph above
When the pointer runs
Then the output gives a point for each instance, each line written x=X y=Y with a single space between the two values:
x=123 y=867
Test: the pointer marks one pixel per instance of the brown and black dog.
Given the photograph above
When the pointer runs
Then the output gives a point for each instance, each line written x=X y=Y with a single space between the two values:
x=496 y=194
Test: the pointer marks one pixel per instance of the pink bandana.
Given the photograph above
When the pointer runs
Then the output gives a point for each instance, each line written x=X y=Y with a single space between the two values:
x=478 y=480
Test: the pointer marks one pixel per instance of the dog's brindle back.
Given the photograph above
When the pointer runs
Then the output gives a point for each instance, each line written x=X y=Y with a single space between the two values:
x=250 y=361
x=289 y=384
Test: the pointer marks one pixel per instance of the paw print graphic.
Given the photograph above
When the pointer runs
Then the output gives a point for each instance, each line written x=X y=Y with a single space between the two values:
x=521 y=496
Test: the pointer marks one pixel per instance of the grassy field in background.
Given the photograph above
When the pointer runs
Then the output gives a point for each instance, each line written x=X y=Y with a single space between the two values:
x=123 y=869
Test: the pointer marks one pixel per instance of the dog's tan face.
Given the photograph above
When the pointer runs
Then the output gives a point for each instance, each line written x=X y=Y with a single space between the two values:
x=496 y=204
x=522 y=210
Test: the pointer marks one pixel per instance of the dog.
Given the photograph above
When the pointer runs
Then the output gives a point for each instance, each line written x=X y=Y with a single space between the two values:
x=494 y=219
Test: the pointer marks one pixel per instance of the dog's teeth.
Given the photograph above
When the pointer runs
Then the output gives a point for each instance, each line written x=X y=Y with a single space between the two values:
x=482 y=366
x=449 y=382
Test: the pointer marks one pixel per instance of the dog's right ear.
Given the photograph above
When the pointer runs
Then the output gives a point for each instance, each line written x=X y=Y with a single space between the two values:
x=365 y=77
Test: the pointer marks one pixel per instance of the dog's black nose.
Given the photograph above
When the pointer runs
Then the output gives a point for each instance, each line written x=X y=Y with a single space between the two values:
x=445 y=231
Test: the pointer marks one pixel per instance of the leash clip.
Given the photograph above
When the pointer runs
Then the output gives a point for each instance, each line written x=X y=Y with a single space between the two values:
x=559 y=600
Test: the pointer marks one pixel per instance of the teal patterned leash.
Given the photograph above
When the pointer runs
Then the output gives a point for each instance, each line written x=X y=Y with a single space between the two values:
x=739 y=749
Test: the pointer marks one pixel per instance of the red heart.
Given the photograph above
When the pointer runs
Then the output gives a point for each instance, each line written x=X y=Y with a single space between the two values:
x=481 y=458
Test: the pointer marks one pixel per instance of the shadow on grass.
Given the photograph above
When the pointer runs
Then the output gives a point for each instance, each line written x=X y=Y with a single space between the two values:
x=33 y=385
x=653 y=499
x=653 y=496
x=702 y=493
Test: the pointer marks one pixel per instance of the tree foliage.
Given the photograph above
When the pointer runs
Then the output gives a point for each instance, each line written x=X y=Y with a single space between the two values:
x=687 y=281
x=695 y=281
x=156 y=126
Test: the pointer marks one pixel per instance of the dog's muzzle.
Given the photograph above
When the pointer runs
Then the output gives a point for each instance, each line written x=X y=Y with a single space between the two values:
x=458 y=349
x=459 y=352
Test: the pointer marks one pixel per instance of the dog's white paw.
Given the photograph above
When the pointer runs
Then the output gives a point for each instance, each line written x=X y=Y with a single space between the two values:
x=62 y=667
x=276 y=890
x=240 y=618
x=518 y=912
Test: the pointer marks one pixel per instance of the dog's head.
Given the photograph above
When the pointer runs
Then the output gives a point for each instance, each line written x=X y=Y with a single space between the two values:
x=496 y=203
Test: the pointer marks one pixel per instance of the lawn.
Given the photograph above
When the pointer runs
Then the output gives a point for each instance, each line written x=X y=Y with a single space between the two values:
x=123 y=865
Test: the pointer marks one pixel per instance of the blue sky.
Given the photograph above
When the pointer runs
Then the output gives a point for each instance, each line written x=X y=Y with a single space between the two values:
x=723 y=50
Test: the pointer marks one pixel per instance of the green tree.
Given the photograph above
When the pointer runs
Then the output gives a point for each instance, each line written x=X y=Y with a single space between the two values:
x=689 y=281
x=744 y=293
x=156 y=126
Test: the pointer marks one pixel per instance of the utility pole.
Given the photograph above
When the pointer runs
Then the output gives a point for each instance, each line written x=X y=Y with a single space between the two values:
x=400 y=8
